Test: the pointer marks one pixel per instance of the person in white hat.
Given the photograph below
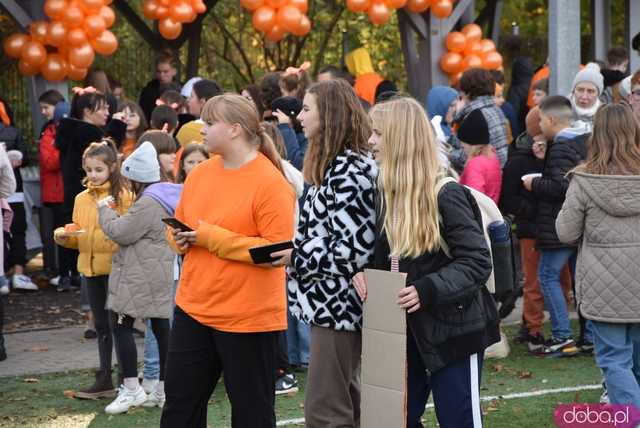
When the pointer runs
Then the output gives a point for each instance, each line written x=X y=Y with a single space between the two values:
x=588 y=85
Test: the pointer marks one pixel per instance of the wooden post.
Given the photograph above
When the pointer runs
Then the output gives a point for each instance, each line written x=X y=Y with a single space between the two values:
x=564 y=44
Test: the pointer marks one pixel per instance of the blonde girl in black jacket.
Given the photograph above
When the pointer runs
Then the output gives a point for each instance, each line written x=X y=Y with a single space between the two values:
x=451 y=317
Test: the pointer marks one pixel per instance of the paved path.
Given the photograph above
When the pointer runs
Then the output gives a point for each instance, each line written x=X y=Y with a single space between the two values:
x=51 y=351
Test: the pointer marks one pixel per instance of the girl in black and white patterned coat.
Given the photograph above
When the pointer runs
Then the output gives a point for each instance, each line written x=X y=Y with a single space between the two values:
x=335 y=240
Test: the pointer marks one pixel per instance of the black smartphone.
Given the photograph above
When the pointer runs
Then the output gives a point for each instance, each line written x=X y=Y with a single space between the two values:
x=261 y=255
x=177 y=224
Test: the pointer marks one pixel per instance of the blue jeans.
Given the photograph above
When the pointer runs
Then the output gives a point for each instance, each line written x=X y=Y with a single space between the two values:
x=617 y=349
x=549 y=268
x=297 y=341
x=151 y=356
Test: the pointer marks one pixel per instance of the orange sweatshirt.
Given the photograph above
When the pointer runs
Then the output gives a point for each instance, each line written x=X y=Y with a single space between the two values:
x=234 y=210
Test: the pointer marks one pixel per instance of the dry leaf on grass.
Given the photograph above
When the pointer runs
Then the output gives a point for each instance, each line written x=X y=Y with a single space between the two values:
x=41 y=348
x=69 y=393
x=525 y=374
x=31 y=380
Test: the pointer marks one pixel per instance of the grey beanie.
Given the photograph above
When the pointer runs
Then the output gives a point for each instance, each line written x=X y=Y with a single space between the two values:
x=590 y=73
x=142 y=165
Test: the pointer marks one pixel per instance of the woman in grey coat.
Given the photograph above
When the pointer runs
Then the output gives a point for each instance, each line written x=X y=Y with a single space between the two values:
x=601 y=214
x=141 y=276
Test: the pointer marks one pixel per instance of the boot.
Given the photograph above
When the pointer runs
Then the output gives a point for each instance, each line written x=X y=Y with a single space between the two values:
x=102 y=387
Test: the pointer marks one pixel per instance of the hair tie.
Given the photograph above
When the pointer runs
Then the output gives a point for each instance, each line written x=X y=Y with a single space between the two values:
x=81 y=91
x=4 y=116
x=299 y=70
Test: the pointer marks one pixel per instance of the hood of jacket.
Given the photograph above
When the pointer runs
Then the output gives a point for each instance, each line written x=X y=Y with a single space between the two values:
x=578 y=128
x=71 y=130
x=438 y=100
x=617 y=195
x=166 y=194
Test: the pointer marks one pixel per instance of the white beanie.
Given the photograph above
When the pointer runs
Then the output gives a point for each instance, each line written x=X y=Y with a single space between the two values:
x=188 y=87
x=590 y=73
x=142 y=165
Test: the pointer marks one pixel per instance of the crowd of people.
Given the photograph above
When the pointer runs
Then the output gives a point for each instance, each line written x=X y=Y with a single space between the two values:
x=355 y=174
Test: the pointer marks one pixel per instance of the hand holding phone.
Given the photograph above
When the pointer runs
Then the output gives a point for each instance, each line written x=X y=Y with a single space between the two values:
x=176 y=224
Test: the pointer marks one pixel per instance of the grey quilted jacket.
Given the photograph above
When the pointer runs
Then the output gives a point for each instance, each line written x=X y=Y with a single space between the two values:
x=601 y=213
x=142 y=269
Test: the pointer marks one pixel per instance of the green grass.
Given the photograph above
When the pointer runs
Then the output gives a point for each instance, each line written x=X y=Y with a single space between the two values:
x=42 y=404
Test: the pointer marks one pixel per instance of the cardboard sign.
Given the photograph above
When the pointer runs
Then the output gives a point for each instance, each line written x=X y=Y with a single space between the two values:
x=384 y=352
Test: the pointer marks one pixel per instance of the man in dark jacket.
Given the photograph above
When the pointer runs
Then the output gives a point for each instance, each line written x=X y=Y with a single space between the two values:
x=566 y=150
x=165 y=73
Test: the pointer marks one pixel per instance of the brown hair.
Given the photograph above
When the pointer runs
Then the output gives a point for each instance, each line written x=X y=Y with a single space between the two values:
x=182 y=175
x=236 y=109
x=276 y=136
x=173 y=99
x=135 y=107
x=295 y=83
x=343 y=125
x=163 y=143
x=617 y=55
x=256 y=96
x=477 y=82
x=166 y=57
x=164 y=115
x=105 y=150
x=614 y=145
x=635 y=79
x=99 y=80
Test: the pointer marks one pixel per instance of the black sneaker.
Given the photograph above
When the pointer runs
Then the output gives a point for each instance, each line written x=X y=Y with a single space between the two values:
x=560 y=348
x=64 y=284
x=90 y=334
x=523 y=334
x=585 y=346
x=286 y=384
x=535 y=343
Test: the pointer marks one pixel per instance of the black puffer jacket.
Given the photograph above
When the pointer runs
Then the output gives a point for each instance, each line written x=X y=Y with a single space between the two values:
x=458 y=316
x=565 y=153
x=72 y=138
x=515 y=200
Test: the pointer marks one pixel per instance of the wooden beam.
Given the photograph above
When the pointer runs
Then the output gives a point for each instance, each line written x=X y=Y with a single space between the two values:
x=16 y=12
x=152 y=38
x=495 y=24
x=193 y=54
x=416 y=21
x=564 y=45
x=462 y=7
x=600 y=28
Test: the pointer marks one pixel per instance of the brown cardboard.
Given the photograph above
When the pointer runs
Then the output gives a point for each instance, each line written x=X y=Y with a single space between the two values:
x=384 y=354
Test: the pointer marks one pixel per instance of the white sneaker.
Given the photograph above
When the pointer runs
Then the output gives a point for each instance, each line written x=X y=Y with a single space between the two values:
x=54 y=281
x=155 y=399
x=125 y=400
x=4 y=286
x=149 y=385
x=23 y=282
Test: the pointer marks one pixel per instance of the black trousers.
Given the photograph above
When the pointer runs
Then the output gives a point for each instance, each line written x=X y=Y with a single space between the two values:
x=67 y=258
x=16 y=240
x=1 y=321
x=126 y=346
x=198 y=355
x=97 y=288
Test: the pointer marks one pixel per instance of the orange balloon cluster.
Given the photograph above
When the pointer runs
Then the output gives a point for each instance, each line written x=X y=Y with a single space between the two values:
x=379 y=11
x=277 y=18
x=467 y=49
x=171 y=14
x=65 y=46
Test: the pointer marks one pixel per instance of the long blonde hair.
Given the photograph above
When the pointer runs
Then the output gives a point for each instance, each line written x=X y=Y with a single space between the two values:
x=234 y=108
x=409 y=171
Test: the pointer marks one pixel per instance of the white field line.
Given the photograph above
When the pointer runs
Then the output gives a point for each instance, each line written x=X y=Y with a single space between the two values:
x=491 y=398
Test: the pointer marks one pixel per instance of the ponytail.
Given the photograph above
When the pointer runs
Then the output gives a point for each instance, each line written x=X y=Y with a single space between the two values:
x=268 y=148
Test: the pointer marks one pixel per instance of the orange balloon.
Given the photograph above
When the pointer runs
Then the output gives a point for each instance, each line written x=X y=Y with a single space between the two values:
x=251 y=4
x=454 y=79
x=302 y=5
x=162 y=12
x=76 y=37
x=473 y=48
x=73 y=17
x=451 y=62
x=149 y=9
x=276 y=33
x=395 y=4
x=198 y=6
x=180 y=11
x=358 y=5
x=54 y=9
x=33 y=53
x=105 y=44
x=276 y=4
x=108 y=15
x=165 y=3
x=14 y=44
x=56 y=34
x=94 y=25
x=473 y=32
x=442 y=8
x=27 y=68
x=90 y=7
x=75 y=73
x=54 y=68
x=487 y=46
x=38 y=31
x=492 y=61
x=378 y=13
x=264 y=18
x=456 y=41
x=471 y=61
x=288 y=17
x=169 y=28
x=303 y=28
x=81 y=56
x=418 y=6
